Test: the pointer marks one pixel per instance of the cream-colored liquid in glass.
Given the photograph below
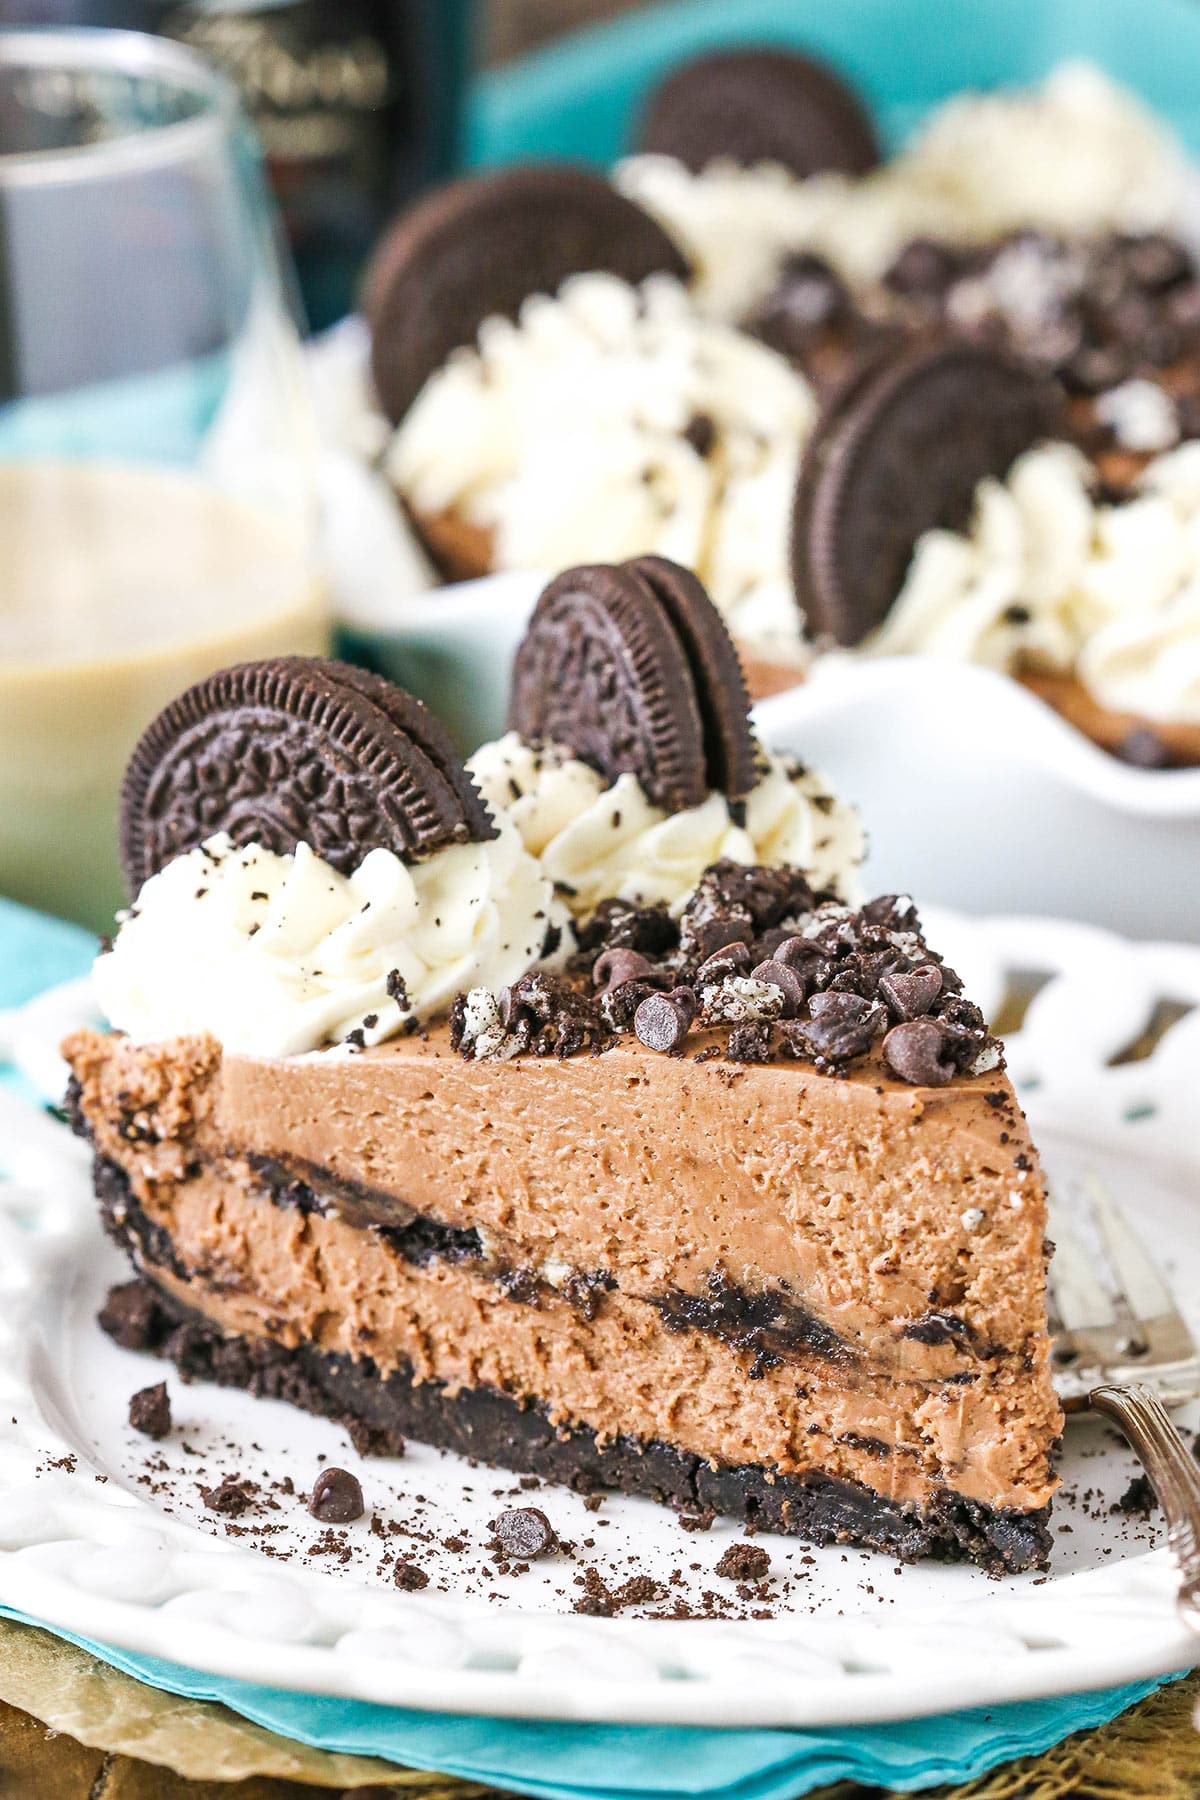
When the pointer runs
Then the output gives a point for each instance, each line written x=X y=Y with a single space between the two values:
x=119 y=586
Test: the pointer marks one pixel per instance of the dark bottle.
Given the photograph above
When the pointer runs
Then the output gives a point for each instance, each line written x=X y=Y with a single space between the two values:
x=358 y=104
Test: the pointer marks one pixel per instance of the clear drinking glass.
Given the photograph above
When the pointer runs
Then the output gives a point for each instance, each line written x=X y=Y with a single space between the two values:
x=157 y=456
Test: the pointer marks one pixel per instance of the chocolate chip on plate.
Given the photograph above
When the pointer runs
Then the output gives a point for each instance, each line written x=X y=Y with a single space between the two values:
x=916 y=1051
x=524 y=1533
x=150 y=1411
x=336 y=1498
x=662 y=1021
x=910 y=993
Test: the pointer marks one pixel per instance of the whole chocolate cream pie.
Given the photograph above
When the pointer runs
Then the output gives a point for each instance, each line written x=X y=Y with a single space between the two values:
x=583 y=1121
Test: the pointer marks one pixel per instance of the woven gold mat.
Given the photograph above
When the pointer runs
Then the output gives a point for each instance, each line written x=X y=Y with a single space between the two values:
x=111 y=1738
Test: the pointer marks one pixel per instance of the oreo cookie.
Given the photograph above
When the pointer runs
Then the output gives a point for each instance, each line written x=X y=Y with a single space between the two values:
x=295 y=750
x=716 y=672
x=479 y=247
x=631 y=668
x=898 y=450
x=760 y=106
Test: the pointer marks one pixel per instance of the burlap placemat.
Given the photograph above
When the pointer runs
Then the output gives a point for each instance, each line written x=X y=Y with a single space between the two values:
x=111 y=1738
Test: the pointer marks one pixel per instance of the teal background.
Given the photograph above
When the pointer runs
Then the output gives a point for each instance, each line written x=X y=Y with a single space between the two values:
x=579 y=97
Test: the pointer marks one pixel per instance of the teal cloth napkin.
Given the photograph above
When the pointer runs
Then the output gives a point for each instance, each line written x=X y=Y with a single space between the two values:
x=568 y=1761
x=613 y=1762
x=580 y=97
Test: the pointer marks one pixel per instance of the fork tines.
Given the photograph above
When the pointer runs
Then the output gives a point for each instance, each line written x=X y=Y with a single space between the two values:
x=1127 y=1328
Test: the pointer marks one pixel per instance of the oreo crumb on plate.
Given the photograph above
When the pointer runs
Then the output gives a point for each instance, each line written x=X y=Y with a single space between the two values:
x=744 y=1562
x=409 y=1575
x=150 y=1411
x=232 y=1496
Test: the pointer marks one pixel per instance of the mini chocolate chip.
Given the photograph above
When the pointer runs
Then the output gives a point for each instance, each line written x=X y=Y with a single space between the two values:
x=409 y=1575
x=150 y=1411
x=910 y=993
x=1144 y=749
x=916 y=1052
x=663 y=1021
x=782 y=976
x=336 y=1497
x=613 y=968
x=524 y=1532
x=730 y=959
x=796 y=952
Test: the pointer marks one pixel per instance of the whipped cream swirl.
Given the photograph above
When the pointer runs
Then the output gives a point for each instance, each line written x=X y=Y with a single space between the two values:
x=611 y=421
x=1047 y=579
x=1077 y=155
x=595 y=840
x=274 y=955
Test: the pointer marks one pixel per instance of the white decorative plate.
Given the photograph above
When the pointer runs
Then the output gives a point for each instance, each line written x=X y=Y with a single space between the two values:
x=105 y=1534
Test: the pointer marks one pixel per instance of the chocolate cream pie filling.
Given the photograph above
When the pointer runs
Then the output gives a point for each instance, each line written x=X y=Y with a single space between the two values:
x=722 y=1197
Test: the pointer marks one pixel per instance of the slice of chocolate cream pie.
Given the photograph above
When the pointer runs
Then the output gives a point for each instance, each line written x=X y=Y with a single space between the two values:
x=581 y=1121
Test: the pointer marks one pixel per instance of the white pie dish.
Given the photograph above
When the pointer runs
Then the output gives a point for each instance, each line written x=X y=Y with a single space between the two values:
x=90 y=1544
x=975 y=794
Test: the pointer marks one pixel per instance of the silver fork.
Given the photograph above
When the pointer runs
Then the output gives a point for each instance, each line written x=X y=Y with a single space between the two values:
x=1125 y=1351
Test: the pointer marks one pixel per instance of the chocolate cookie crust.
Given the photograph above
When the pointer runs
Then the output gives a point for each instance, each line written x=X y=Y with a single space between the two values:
x=898 y=450
x=479 y=247
x=760 y=106
x=498 y=1429
x=289 y=750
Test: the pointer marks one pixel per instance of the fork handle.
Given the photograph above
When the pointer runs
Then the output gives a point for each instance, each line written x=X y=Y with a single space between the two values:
x=1174 y=1476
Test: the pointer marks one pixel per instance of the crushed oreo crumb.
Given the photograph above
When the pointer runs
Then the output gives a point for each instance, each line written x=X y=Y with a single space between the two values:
x=744 y=1562
x=409 y=1575
x=150 y=1411
x=232 y=1497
